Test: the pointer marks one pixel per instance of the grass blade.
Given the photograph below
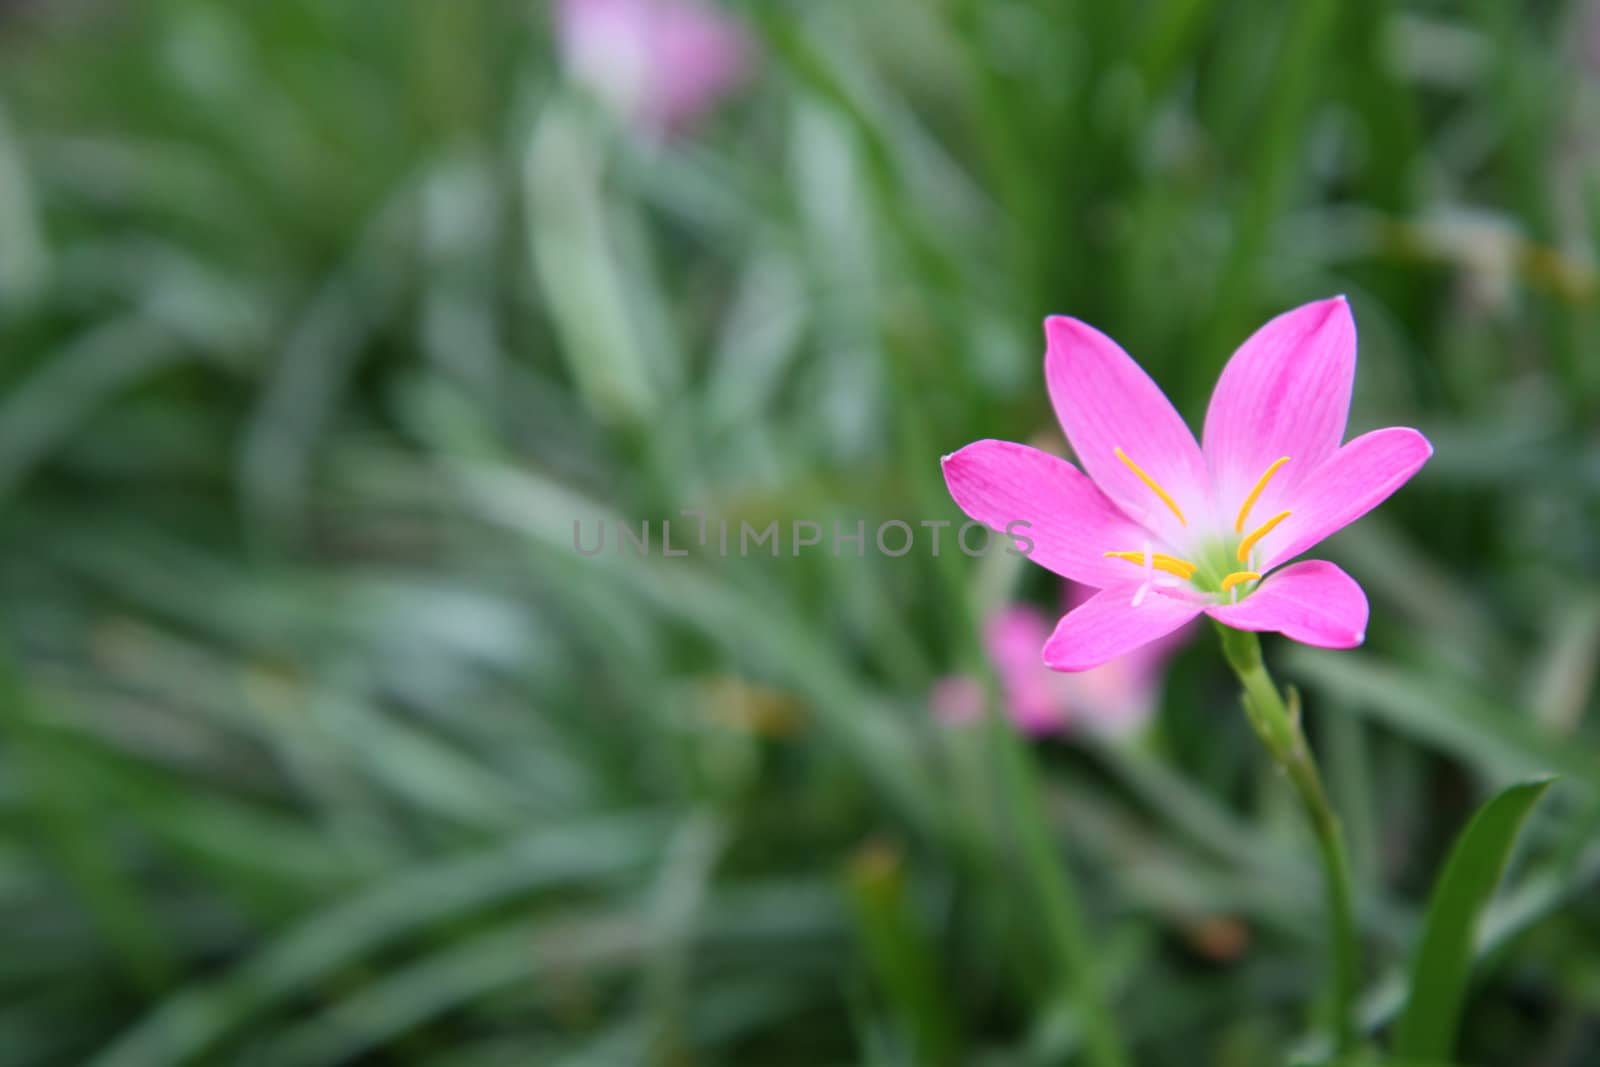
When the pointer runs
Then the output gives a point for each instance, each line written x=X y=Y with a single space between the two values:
x=1444 y=959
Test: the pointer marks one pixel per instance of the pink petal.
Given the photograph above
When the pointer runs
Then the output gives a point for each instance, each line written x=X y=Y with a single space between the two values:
x=1313 y=602
x=1107 y=625
x=1356 y=479
x=1014 y=636
x=1105 y=402
x=1014 y=640
x=1072 y=524
x=1148 y=664
x=1285 y=392
x=1114 y=699
x=662 y=63
x=702 y=55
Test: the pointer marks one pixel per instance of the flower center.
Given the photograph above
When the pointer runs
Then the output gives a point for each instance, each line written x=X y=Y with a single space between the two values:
x=1215 y=573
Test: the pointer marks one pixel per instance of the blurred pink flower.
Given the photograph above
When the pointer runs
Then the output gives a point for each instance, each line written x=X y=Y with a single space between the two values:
x=1115 y=699
x=660 y=63
x=1167 y=529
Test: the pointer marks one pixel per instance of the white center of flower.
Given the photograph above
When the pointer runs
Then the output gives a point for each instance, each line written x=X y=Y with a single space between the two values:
x=1214 y=573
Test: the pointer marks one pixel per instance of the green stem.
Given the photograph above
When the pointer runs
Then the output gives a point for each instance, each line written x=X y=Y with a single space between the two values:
x=1049 y=877
x=1277 y=723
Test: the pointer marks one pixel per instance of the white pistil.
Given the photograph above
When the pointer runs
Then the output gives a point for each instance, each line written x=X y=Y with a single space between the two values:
x=1149 y=576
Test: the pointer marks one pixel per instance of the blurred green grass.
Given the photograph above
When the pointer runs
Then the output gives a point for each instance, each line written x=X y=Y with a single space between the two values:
x=322 y=323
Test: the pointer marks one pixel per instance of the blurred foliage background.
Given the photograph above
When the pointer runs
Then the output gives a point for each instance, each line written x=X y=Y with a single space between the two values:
x=323 y=322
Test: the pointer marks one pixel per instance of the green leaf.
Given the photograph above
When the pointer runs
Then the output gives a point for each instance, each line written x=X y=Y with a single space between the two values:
x=1444 y=959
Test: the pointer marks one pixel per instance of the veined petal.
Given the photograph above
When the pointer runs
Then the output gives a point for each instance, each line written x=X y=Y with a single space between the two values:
x=1105 y=401
x=1107 y=625
x=1313 y=602
x=1285 y=392
x=1070 y=522
x=1350 y=483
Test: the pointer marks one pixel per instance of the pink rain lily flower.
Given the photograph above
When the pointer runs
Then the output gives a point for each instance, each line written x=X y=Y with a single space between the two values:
x=1167 y=529
x=661 y=63
x=1114 y=700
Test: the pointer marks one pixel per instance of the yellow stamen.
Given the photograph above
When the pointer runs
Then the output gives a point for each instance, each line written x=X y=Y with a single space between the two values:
x=1151 y=482
x=1161 y=562
x=1250 y=501
x=1239 y=576
x=1257 y=534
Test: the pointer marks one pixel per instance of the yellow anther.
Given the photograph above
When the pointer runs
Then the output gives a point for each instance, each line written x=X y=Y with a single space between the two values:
x=1250 y=501
x=1182 y=568
x=1151 y=482
x=1257 y=534
x=1239 y=576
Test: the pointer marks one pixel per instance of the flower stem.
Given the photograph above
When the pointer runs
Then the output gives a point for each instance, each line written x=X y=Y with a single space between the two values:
x=1277 y=723
x=1049 y=878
